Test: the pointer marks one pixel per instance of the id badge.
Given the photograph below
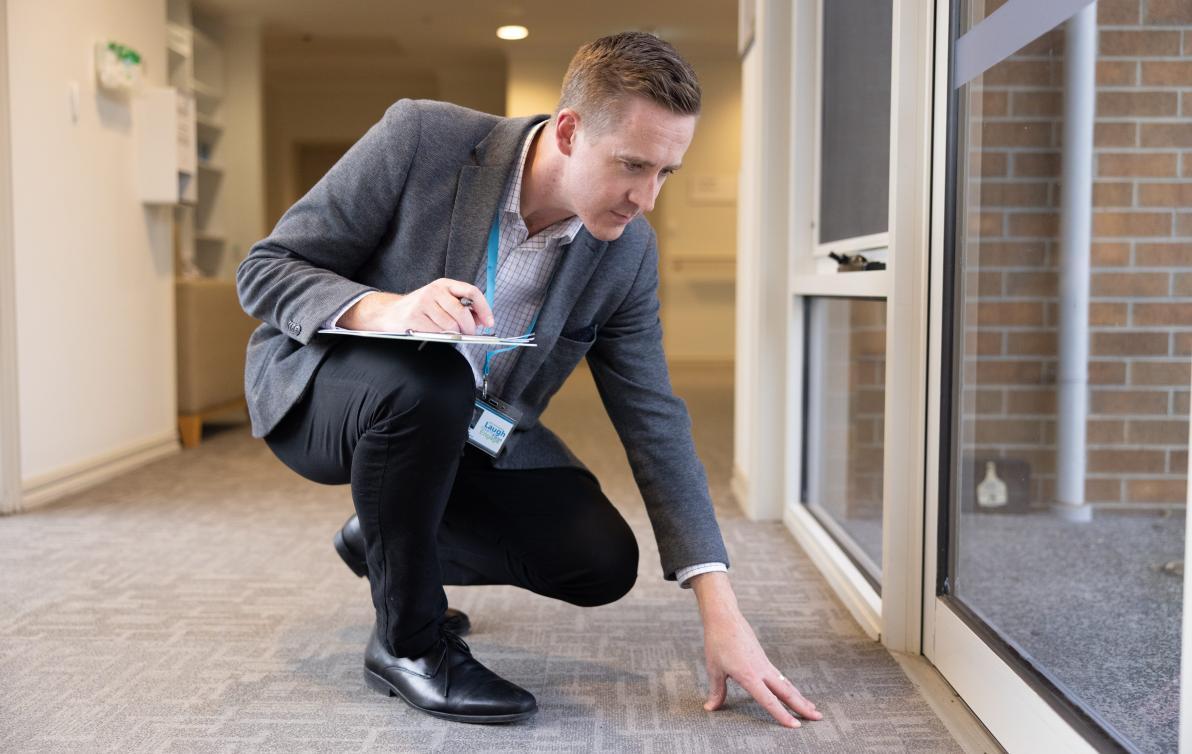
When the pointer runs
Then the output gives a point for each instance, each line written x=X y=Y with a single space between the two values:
x=492 y=422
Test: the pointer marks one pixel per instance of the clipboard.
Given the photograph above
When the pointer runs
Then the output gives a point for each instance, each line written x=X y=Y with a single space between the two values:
x=519 y=341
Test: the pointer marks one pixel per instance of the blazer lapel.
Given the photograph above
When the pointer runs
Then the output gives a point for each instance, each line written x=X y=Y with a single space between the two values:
x=571 y=278
x=477 y=195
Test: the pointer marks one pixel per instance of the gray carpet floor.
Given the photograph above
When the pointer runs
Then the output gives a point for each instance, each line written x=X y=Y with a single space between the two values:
x=196 y=604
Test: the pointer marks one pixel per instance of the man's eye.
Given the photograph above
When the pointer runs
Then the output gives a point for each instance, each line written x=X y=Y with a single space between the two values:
x=632 y=167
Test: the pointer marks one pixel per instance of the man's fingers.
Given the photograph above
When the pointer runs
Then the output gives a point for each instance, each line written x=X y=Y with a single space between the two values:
x=441 y=319
x=716 y=692
x=791 y=697
x=759 y=691
x=461 y=314
x=484 y=313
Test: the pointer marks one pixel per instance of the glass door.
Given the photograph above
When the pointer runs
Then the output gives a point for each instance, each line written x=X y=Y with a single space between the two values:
x=1063 y=376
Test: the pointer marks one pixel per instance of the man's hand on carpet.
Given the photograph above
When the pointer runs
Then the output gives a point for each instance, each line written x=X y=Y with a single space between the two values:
x=732 y=650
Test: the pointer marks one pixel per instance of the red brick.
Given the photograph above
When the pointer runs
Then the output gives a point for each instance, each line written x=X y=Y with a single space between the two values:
x=1031 y=402
x=1117 y=72
x=1008 y=372
x=1179 y=403
x=1166 y=72
x=987 y=163
x=1127 y=461
x=1107 y=254
x=1034 y=224
x=1014 y=254
x=1015 y=134
x=1177 y=462
x=1177 y=373
x=994 y=313
x=1033 y=283
x=995 y=102
x=1137 y=103
x=1165 y=194
x=1183 y=284
x=1014 y=194
x=1181 y=344
x=1141 y=164
x=1128 y=402
x=1008 y=432
x=1156 y=490
x=1115 y=224
x=1106 y=431
x=1107 y=372
x=1103 y=490
x=1130 y=343
x=1037 y=103
x=988 y=401
x=1118 y=12
x=1037 y=164
x=1130 y=284
x=1166 y=134
x=1163 y=314
x=1163 y=255
x=1157 y=432
x=1183 y=224
x=1113 y=194
x=1174 y=12
x=1031 y=343
x=1103 y=314
x=988 y=223
x=989 y=283
x=1114 y=134
x=1139 y=43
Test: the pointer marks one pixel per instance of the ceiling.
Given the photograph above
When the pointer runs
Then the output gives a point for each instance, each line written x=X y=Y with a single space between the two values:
x=461 y=31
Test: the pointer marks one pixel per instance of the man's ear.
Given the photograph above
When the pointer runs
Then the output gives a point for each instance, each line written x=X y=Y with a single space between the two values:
x=566 y=126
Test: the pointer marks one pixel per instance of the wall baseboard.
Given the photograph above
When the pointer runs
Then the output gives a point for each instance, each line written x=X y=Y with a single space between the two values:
x=46 y=488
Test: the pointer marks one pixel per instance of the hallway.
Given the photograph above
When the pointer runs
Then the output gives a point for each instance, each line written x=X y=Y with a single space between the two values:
x=196 y=604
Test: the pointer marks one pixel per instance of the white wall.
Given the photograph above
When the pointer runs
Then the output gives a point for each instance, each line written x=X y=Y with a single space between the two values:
x=298 y=112
x=242 y=151
x=94 y=267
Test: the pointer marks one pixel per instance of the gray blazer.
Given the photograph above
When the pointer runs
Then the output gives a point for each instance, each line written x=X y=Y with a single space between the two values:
x=412 y=202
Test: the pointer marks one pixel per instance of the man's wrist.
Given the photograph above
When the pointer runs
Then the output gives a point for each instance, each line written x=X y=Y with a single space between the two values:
x=714 y=594
x=364 y=314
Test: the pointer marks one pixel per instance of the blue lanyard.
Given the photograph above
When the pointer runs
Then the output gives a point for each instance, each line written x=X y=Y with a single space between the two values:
x=494 y=240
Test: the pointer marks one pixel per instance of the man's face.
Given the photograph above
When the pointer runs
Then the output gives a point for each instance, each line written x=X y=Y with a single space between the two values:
x=615 y=174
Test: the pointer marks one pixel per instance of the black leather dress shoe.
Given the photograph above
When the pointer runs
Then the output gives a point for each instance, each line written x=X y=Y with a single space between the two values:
x=349 y=543
x=447 y=682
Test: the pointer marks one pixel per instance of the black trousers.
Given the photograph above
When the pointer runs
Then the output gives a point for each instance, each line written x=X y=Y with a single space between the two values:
x=392 y=421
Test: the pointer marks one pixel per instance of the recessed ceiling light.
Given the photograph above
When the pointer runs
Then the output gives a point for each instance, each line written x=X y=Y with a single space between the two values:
x=513 y=32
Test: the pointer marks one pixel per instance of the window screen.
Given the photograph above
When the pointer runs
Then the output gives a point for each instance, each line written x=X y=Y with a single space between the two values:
x=855 y=120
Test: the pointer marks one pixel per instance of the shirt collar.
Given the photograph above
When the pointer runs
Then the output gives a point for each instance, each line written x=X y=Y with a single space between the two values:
x=564 y=230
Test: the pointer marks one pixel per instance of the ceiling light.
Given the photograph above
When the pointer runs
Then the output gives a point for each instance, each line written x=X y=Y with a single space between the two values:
x=513 y=32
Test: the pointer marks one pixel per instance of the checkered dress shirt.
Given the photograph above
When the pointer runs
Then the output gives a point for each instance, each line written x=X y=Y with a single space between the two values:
x=525 y=267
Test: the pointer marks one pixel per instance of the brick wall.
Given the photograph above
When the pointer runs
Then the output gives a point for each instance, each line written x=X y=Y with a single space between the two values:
x=866 y=408
x=1141 y=287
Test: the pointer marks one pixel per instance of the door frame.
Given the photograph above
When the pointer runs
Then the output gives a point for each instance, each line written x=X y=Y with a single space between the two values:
x=10 y=428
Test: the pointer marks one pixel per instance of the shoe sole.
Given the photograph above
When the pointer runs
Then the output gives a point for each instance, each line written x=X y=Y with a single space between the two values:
x=379 y=684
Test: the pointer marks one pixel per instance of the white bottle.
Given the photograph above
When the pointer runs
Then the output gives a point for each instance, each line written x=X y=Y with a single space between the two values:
x=991 y=492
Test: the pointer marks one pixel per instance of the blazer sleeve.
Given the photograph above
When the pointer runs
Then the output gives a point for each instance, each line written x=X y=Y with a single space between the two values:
x=300 y=274
x=629 y=368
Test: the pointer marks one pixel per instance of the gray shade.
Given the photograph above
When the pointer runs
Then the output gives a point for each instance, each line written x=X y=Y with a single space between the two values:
x=855 y=125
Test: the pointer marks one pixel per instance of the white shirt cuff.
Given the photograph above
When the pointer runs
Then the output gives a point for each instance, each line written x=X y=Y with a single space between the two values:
x=683 y=575
x=330 y=321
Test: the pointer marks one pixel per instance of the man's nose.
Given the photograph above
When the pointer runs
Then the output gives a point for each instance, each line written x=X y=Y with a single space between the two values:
x=644 y=194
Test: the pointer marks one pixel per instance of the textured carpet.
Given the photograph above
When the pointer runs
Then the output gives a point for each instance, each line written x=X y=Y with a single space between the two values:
x=196 y=604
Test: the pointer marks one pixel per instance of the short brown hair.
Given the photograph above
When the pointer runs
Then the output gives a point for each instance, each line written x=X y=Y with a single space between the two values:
x=633 y=63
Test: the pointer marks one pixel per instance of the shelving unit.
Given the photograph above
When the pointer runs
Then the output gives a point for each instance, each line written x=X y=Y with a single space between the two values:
x=196 y=72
